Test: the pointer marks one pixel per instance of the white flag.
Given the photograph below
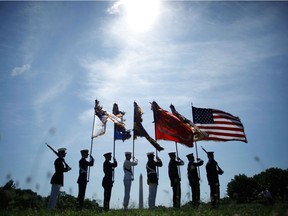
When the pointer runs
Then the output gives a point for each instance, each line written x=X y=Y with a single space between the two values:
x=99 y=126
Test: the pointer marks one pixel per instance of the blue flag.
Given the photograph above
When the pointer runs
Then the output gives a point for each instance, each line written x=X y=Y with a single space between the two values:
x=120 y=132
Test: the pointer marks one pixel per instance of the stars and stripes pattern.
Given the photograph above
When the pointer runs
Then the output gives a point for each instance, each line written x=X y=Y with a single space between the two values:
x=220 y=125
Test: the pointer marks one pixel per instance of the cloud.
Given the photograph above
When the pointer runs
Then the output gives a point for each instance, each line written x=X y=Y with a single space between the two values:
x=50 y=95
x=176 y=62
x=114 y=9
x=17 y=71
x=85 y=116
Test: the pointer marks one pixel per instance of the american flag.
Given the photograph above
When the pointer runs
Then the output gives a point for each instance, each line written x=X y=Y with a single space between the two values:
x=221 y=126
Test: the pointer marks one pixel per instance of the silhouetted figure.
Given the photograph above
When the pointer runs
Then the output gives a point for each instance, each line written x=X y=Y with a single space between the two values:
x=213 y=170
x=152 y=177
x=266 y=197
x=107 y=182
x=128 y=177
x=175 y=180
x=82 y=179
x=193 y=178
x=57 y=179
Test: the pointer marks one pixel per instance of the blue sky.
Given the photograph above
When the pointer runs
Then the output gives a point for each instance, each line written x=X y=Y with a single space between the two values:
x=58 y=57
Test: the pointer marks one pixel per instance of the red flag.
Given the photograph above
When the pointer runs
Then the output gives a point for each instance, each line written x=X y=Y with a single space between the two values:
x=169 y=127
x=198 y=134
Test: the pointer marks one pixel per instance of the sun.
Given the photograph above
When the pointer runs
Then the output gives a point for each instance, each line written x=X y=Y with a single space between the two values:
x=141 y=14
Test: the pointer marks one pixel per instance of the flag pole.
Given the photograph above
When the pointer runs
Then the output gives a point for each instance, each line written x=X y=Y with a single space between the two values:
x=195 y=143
x=179 y=171
x=157 y=168
x=114 y=147
x=133 y=147
x=196 y=159
x=133 y=157
x=113 y=152
x=91 y=145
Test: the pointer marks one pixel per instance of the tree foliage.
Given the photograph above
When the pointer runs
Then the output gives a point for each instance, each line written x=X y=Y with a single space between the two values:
x=276 y=180
x=245 y=189
x=14 y=198
x=242 y=188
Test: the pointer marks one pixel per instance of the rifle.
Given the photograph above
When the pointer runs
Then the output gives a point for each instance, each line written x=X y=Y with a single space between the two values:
x=58 y=156
x=219 y=168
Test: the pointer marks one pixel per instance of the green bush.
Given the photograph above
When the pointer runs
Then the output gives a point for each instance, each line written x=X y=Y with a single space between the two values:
x=243 y=189
x=17 y=199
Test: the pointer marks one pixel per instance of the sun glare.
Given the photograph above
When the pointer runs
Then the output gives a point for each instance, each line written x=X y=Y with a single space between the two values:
x=141 y=14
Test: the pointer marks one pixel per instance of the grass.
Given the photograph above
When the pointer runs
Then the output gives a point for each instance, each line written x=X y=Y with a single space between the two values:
x=278 y=209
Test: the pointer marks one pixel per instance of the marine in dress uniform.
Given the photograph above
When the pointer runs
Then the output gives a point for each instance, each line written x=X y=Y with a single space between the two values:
x=193 y=178
x=175 y=179
x=213 y=171
x=152 y=177
x=82 y=179
x=57 y=179
x=107 y=182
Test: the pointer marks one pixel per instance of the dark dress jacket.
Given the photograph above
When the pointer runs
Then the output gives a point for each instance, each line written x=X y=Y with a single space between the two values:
x=212 y=172
x=108 y=169
x=83 y=167
x=173 y=171
x=60 y=168
x=192 y=171
x=151 y=171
